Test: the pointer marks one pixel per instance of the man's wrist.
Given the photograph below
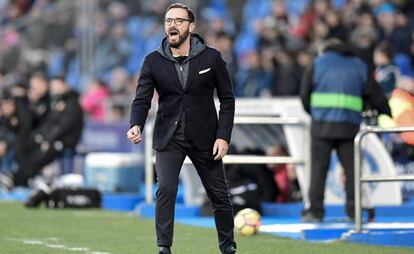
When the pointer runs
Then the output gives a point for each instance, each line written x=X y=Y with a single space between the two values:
x=137 y=125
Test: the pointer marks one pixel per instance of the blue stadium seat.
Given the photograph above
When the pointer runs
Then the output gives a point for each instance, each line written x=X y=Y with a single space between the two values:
x=73 y=75
x=134 y=24
x=403 y=62
x=245 y=42
x=55 y=66
x=296 y=7
x=339 y=4
x=257 y=9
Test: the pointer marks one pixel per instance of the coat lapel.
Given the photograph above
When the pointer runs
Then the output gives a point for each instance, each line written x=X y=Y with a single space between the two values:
x=192 y=70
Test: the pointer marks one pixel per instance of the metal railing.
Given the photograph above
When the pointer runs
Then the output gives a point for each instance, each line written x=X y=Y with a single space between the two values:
x=229 y=159
x=359 y=179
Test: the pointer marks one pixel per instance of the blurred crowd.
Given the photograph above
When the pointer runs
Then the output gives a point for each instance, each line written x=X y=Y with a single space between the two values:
x=96 y=49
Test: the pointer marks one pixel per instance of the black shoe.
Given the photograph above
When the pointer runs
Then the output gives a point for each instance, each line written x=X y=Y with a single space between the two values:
x=309 y=217
x=164 y=250
x=36 y=198
x=230 y=250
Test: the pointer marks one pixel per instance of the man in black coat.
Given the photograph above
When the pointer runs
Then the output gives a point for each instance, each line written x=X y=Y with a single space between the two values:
x=185 y=72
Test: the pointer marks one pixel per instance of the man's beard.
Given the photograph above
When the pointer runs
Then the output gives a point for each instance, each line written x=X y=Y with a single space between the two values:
x=181 y=39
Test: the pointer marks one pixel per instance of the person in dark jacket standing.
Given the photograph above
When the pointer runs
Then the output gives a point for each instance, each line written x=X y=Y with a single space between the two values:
x=334 y=91
x=185 y=72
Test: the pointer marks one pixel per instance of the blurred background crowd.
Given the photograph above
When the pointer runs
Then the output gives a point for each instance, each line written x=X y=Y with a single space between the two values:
x=98 y=46
x=94 y=48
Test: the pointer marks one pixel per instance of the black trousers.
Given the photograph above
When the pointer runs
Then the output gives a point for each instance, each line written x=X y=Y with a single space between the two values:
x=168 y=165
x=320 y=155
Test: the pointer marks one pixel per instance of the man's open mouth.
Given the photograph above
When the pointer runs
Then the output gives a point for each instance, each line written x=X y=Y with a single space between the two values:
x=173 y=33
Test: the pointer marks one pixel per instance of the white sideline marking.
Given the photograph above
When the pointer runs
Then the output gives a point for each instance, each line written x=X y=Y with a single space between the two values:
x=46 y=243
x=33 y=242
x=56 y=246
x=298 y=227
x=78 y=249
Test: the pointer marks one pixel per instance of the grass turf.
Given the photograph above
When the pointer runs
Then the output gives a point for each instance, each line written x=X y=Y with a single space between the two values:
x=44 y=231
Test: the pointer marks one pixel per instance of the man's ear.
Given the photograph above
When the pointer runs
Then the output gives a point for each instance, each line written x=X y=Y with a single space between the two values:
x=192 y=27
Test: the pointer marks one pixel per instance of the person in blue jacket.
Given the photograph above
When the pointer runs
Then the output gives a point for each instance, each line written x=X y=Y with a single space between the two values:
x=335 y=90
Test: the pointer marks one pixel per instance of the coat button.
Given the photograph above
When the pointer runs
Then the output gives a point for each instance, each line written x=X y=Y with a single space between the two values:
x=176 y=122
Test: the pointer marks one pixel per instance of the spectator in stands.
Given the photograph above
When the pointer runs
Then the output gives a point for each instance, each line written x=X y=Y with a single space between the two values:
x=319 y=33
x=60 y=131
x=117 y=113
x=303 y=59
x=386 y=73
x=335 y=25
x=269 y=34
x=94 y=100
x=401 y=38
x=114 y=48
x=9 y=48
x=186 y=73
x=119 y=84
x=394 y=27
x=353 y=10
x=39 y=99
x=364 y=36
x=334 y=92
x=253 y=80
x=286 y=71
x=224 y=43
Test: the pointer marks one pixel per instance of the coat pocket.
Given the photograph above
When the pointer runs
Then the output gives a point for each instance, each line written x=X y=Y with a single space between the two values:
x=204 y=71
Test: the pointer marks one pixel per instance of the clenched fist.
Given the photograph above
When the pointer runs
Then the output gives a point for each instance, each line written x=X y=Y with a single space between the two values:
x=134 y=134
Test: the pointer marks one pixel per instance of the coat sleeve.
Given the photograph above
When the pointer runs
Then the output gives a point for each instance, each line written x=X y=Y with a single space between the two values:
x=143 y=96
x=375 y=97
x=225 y=95
x=306 y=88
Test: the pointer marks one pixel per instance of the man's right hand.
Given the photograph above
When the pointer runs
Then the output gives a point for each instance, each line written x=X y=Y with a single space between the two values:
x=134 y=134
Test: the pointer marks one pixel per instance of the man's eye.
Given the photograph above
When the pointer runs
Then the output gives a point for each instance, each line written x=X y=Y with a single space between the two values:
x=179 y=20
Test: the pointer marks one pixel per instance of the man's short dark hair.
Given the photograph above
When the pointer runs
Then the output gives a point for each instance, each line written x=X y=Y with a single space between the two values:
x=39 y=75
x=190 y=13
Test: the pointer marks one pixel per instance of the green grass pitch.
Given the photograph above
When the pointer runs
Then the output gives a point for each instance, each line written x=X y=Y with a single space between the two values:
x=44 y=231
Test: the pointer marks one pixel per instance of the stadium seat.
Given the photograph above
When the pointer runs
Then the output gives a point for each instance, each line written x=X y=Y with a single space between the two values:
x=403 y=62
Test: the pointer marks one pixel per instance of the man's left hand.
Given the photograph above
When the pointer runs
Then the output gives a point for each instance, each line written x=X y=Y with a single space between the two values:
x=220 y=149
